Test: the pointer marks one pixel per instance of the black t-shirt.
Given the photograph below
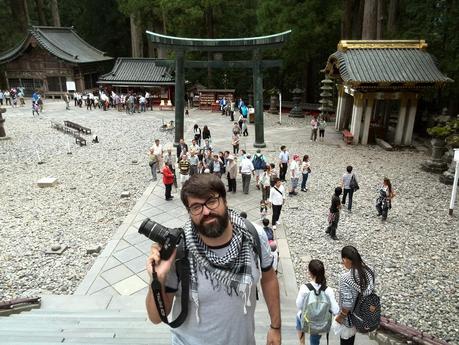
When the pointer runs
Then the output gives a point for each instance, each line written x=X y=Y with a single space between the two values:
x=335 y=202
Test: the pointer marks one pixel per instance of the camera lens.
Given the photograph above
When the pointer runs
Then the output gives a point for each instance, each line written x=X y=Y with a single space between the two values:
x=154 y=231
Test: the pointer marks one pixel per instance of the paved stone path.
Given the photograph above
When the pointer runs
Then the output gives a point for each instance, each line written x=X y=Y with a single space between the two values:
x=120 y=269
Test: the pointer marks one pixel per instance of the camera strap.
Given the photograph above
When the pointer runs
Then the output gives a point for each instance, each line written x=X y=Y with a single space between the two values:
x=183 y=270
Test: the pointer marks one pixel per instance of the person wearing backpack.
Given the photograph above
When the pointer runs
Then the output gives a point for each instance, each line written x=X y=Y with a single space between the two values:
x=259 y=164
x=315 y=303
x=349 y=186
x=360 y=308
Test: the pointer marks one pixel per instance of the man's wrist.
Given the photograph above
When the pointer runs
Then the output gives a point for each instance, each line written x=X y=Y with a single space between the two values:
x=275 y=328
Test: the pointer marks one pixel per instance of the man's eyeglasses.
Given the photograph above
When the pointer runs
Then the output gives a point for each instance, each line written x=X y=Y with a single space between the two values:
x=212 y=203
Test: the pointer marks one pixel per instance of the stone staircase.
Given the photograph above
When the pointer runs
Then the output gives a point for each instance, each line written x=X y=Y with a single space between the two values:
x=110 y=320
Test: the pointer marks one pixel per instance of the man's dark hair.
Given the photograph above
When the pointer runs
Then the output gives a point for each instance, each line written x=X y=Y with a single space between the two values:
x=338 y=191
x=276 y=179
x=243 y=214
x=265 y=221
x=282 y=147
x=202 y=186
x=349 y=169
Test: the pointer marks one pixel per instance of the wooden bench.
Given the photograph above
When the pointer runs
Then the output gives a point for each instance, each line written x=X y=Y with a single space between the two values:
x=79 y=140
x=347 y=137
x=78 y=127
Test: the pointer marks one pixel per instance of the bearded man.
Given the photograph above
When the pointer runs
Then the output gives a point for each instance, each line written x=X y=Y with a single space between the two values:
x=224 y=270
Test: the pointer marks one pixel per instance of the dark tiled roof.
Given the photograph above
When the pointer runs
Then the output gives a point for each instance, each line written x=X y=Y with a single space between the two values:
x=386 y=66
x=137 y=72
x=63 y=43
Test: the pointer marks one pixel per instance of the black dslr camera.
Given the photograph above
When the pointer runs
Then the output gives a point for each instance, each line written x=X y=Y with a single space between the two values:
x=167 y=238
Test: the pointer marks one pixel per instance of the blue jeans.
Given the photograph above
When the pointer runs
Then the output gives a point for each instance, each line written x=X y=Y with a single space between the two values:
x=347 y=192
x=314 y=339
x=305 y=179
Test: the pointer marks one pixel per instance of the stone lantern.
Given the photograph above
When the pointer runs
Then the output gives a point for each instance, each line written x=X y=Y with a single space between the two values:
x=326 y=103
x=296 y=111
x=273 y=101
x=2 y=122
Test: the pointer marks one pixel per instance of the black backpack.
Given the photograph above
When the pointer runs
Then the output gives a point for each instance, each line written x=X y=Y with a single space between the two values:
x=366 y=315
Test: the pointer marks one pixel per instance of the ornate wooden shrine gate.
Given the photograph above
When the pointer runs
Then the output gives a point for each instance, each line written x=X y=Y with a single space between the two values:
x=183 y=45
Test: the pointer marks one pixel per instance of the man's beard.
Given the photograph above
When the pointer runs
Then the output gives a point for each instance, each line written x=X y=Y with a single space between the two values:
x=215 y=229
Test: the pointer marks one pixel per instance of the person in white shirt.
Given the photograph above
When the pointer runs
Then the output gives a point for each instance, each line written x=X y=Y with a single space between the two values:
x=276 y=200
x=283 y=162
x=142 y=101
x=294 y=169
x=319 y=283
x=158 y=152
x=247 y=170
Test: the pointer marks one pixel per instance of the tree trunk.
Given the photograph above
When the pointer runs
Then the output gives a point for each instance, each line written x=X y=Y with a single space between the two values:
x=347 y=20
x=21 y=12
x=381 y=19
x=209 y=13
x=370 y=13
x=392 y=17
x=55 y=13
x=357 y=22
x=136 y=37
x=41 y=12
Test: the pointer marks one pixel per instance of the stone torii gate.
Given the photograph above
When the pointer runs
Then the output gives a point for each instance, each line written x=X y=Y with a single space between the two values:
x=183 y=45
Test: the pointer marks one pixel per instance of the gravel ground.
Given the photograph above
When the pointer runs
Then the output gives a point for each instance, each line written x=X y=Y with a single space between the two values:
x=82 y=211
x=415 y=253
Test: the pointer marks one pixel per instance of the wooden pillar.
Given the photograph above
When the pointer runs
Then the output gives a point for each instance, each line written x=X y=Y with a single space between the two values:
x=411 y=111
x=339 y=107
x=356 y=120
x=258 y=96
x=367 y=119
x=179 y=95
x=401 y=120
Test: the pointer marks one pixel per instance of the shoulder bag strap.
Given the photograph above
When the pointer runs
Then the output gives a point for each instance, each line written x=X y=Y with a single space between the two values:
x=255 y=236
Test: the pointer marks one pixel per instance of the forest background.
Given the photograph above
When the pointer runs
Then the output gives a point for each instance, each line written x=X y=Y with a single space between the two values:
x=118 y=28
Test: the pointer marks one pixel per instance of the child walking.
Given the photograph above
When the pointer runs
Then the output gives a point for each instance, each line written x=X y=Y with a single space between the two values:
x=316 y=286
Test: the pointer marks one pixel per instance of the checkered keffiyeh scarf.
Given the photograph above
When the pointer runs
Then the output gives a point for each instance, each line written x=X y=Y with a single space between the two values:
x=231 y=272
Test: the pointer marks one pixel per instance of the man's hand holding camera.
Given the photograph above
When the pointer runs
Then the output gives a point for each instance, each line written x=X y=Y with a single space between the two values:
x=162 y=267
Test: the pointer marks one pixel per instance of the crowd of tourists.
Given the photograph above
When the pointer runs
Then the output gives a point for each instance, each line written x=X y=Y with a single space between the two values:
x=130 y=102
x=13 y=97
x=204 y=176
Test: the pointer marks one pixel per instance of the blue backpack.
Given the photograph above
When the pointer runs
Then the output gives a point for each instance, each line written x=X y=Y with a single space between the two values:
x=258 y=162
x=244 y=111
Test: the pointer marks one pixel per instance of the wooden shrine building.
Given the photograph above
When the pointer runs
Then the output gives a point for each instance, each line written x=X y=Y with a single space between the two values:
x=140 y=75
x=51 y=56
x=379 y=84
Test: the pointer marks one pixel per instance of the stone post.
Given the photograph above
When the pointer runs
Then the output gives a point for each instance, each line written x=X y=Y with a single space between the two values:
x=367 y=120
x=357 y=117
x=339 y=107
x=179 y=95
x=410 y=121
x=2 y=122
x=401 y=121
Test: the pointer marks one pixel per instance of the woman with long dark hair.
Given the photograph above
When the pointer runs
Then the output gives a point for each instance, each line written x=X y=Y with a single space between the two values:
x=197 y=134
x=206 y=133
x=384 y=200
x=319 y=283
x=359 y=279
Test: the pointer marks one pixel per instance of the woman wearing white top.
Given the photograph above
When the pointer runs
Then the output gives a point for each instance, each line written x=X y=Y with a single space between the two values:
x=305 y=170
x=276 y=200
x=317 y=274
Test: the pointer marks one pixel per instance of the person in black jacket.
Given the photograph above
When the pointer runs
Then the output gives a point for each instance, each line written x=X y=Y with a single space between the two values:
x=182 y=149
